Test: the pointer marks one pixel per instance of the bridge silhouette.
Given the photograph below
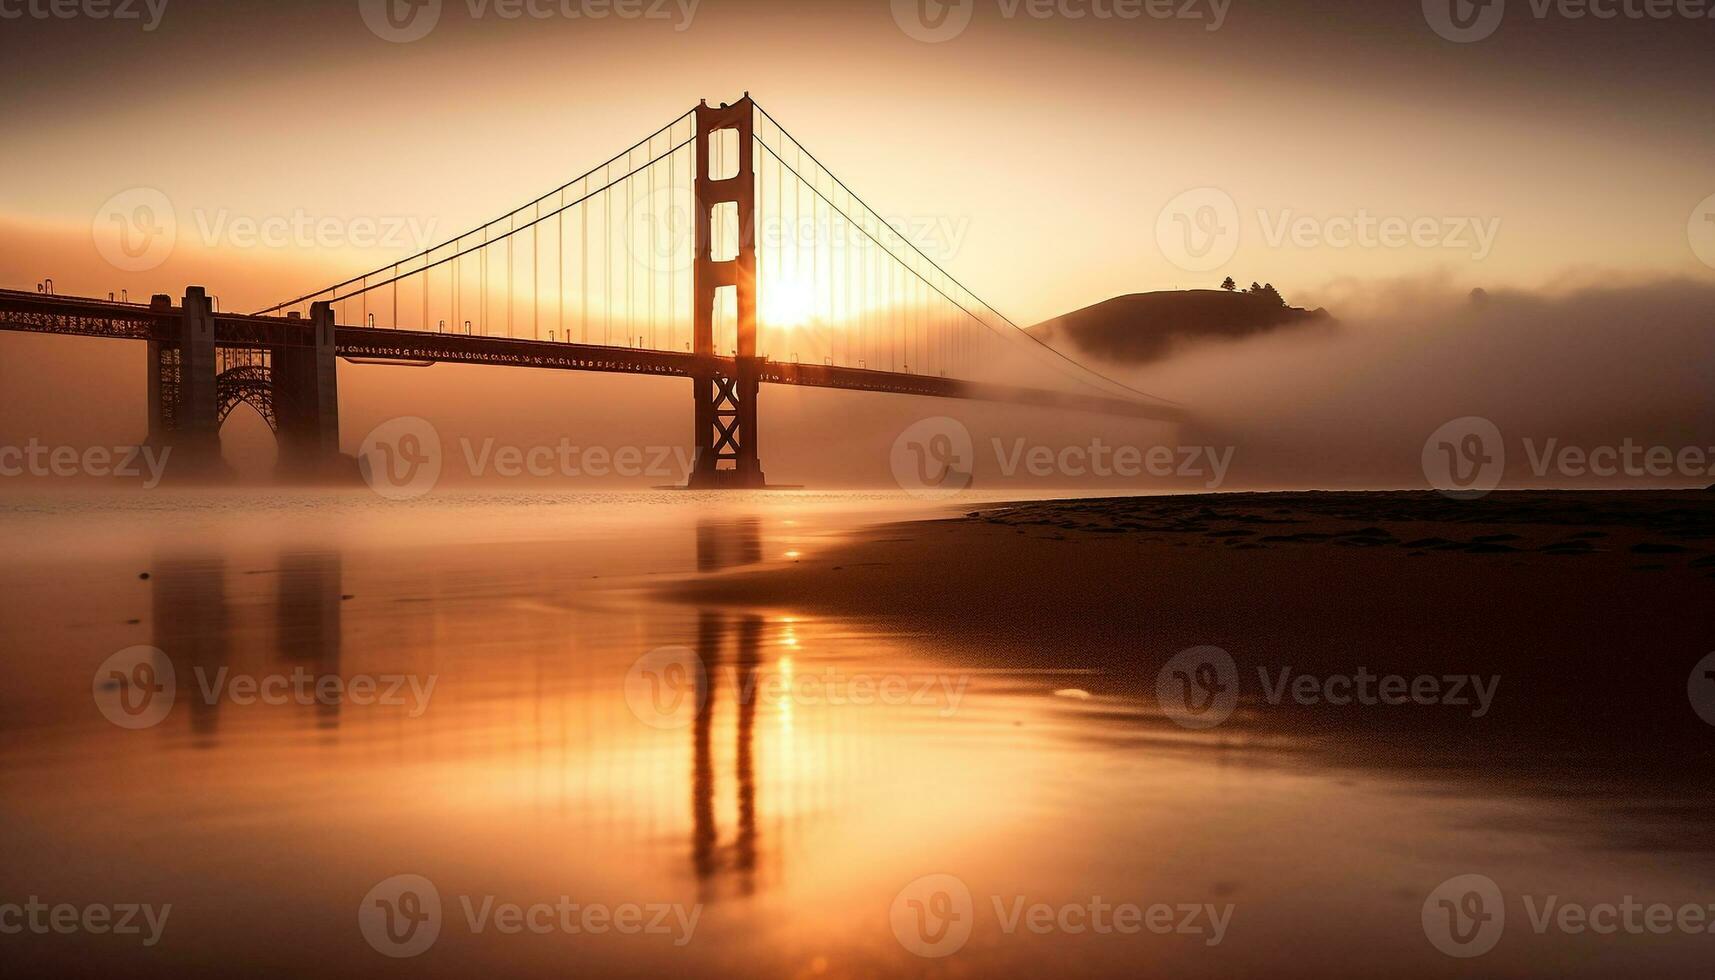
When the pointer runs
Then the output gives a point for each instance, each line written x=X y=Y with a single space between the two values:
x=717 y=249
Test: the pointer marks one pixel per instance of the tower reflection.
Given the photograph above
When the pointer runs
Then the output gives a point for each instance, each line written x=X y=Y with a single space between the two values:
x=723 y=545
x=307 y=621
x=189 y=609
x=197 y=622
x=728 y=543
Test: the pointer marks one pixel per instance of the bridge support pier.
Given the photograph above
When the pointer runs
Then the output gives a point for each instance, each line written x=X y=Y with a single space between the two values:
x=306 y=402
x=183 y=405
x=725 y=407
x=725 y=457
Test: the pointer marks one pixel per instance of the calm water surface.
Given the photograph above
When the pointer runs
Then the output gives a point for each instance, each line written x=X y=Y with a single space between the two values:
x=529 y=757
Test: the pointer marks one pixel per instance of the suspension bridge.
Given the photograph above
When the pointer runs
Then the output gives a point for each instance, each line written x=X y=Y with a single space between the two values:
x=717 y=249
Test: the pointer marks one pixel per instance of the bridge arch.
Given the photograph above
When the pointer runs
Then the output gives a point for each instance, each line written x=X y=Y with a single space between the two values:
x=248 y=384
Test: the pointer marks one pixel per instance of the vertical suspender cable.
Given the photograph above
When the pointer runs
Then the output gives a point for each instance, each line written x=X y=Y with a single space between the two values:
x=607 y=259
x=584 y=265
x=560 y=267
x=630 y=261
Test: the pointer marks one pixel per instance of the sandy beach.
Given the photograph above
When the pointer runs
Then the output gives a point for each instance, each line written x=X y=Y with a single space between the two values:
x=1582 y=614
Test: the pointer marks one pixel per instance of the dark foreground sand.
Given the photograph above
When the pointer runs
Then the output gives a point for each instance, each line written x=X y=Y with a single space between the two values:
x=1591 y=609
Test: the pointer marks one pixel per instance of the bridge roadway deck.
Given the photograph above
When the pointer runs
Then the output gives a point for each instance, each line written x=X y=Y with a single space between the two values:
x=85 y=317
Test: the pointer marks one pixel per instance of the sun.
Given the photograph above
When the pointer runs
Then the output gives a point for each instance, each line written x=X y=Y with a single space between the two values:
x=787 y=303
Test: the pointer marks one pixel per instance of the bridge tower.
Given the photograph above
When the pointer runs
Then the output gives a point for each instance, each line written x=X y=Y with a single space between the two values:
x=306 y=399
x=725 y=442
x=292 y=381
x=183 y=406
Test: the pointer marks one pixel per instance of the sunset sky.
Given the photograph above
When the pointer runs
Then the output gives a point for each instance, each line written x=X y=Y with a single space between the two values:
x=1040 y=151
x=923 y=488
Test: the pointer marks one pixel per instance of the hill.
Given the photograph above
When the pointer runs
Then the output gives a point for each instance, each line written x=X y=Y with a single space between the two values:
x=1145 y=327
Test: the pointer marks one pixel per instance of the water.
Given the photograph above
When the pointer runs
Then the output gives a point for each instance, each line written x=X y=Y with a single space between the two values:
x=526 y=755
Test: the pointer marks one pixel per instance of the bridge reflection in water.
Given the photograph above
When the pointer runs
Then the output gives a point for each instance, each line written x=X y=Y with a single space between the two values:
x=795 y=823
x=722 y=545
x=528 y=776
x=196 y=625
x=214 y=626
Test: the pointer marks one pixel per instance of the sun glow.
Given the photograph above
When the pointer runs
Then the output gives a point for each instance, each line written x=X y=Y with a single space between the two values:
x=787 y=303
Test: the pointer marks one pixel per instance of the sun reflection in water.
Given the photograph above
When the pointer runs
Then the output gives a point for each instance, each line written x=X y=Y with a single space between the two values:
x=787 y=755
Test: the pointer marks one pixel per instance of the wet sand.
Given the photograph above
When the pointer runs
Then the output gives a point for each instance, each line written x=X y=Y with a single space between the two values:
x=1588 y=610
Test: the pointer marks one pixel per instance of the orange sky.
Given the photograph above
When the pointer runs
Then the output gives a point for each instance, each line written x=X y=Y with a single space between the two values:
x=1048 y=147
